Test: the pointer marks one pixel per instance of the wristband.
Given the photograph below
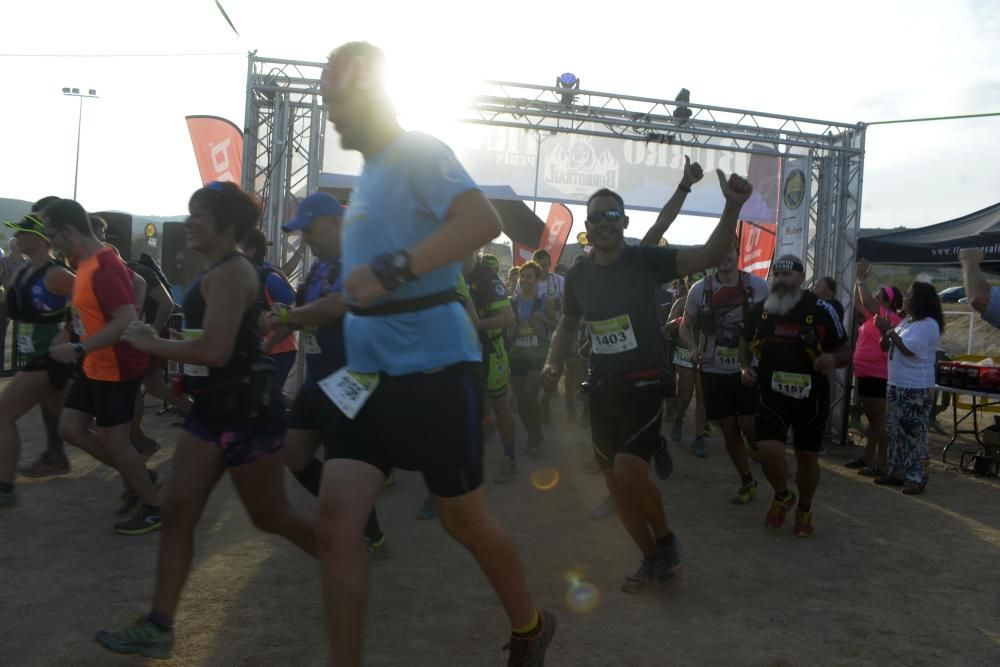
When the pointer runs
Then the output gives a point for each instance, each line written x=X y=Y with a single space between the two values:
x=684 y=188
x=283 y=314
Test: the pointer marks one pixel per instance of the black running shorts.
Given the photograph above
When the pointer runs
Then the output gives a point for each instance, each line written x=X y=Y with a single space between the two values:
x=725 y=396
x=110 y=403
x=59 y=374
x=626 y=423
x=873 y=387
x=427 y=422
x=774 y=414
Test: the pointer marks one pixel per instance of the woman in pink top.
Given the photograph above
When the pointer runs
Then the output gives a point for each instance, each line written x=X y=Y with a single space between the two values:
x=871 y=368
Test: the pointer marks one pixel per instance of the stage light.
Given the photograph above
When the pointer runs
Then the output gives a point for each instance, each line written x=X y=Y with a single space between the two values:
x=682 y=111
x=567 y=81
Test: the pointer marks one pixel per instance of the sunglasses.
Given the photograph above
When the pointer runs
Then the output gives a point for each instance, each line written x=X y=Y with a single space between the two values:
x=612 y=216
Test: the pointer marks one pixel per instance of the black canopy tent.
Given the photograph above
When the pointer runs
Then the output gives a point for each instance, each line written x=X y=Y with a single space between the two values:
x=939 y=244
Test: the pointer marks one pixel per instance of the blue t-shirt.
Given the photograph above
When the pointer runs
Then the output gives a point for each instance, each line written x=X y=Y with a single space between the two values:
x=402 y=198
x=324 y=279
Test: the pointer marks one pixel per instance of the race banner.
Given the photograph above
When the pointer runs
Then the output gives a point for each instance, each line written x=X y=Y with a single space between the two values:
x=793 y=208
x=218 y=148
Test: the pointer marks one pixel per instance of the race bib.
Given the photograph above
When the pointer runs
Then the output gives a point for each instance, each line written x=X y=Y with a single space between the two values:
x=348 y=390
x=794 y=385
x=77 y=324
x=682 y=358
x=526 y=336
x=612 y=336
x=25 y=342
x=728 y=357
x=193 y=370
x=309 y=342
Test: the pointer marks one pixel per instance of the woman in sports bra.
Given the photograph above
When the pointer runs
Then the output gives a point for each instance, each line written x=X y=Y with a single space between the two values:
x=237 y=421
x=37 y=300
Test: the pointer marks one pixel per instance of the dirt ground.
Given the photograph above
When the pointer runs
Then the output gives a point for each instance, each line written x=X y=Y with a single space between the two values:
x=887 y=579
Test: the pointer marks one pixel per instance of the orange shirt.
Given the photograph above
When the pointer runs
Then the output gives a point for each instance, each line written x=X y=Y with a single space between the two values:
x=103 y=284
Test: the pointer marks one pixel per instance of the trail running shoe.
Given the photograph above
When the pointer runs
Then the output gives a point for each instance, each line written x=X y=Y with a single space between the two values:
x=642 y=579
x=775 y=518
x=663 y=463
x=146 y=520
x=44 y=466
x=745 y=493
x=803 y=524
x=140 y=637
x=666 y=562
x=130 y=501
x=698 y=447
x=377 y=549
x=856 y=464
x=505 y=475
x=530 y=651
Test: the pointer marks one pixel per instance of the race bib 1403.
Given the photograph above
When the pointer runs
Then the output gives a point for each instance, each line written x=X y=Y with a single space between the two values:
x=612 y=336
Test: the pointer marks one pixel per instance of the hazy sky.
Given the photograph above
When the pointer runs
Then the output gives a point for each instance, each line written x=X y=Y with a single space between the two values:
x=862 y=61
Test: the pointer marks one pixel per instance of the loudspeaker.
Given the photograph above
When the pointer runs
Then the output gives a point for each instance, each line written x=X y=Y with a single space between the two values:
x=180 y=264
x=119 y=232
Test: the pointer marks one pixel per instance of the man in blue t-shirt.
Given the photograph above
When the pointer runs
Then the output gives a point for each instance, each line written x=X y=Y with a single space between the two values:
x=410 y=395
x=318 y=314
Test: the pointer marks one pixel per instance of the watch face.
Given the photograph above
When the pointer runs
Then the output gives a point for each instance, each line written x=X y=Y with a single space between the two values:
x=399 y=261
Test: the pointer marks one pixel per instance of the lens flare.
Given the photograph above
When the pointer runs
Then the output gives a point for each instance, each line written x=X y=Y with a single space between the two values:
x=582 y=597
x=545 y=479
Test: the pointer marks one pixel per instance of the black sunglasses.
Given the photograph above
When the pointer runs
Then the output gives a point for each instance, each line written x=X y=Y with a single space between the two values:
x=612 y=216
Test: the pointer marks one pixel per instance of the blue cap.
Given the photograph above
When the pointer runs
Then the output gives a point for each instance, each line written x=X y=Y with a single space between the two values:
x=316 y=205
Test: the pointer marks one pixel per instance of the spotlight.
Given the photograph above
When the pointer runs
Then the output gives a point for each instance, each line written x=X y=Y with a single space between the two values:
x=682 y=111
x=567 y=81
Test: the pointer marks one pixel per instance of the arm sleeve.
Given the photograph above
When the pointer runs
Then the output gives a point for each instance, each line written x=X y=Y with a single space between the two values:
x=662 y=262
x=437 y=178
x=113 y=288
x=571 y=307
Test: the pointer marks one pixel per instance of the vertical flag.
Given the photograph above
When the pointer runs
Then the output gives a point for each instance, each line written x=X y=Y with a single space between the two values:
x=218 y=148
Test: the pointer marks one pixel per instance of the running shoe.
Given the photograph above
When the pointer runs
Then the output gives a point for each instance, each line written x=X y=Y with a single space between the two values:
x=146 y=520
x=428 y=511
x=141 y=637
x=605 y=510
x=912 y=488
x=752 y=451
x=8 y=500
x=130 y=501
x=803 y=524
x=530 y=651
x=377 y=549
x=642 y=579
x=698 y=447
x=505 y=475
x=745 y=493
x=677 y=432
x=666 y=562
x=775 y=518
x=663 y=463
x=44 y=466
x=871 y=471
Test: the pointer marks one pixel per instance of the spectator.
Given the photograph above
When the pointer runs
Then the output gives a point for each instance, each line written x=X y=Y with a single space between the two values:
x=871 y=368
x=912 y=347
x=826 y=289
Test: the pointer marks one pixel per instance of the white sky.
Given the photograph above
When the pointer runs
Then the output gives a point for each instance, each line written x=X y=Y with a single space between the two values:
x=862 y=61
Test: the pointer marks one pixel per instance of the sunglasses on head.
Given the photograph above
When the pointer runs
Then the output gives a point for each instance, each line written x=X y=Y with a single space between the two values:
x=612 y=216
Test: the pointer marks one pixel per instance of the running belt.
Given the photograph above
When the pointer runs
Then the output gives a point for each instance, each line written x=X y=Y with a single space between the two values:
x=399 y=306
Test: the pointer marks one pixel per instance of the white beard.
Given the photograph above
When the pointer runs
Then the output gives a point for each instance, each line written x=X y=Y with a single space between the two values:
x=782 y=304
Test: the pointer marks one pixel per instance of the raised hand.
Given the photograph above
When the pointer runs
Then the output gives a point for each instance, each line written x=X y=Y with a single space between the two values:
x=736 y=190
x=692 y=172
